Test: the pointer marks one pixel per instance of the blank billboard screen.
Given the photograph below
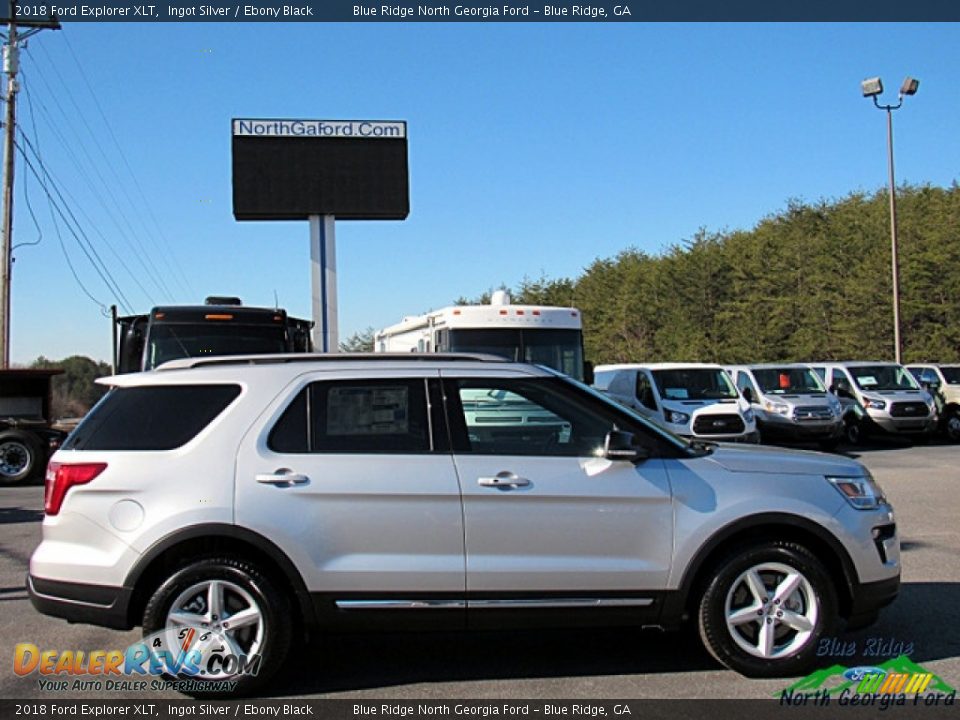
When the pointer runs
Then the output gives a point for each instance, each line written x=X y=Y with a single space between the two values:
x=291 y=169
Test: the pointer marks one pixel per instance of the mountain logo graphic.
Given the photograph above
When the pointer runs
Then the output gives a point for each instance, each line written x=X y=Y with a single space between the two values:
x=898 y=675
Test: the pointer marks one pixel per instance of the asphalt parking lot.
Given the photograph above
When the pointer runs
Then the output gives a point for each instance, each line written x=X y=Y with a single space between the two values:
x=922 y=482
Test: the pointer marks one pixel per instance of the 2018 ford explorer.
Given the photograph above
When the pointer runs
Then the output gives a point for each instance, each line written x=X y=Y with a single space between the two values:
x=229 y=505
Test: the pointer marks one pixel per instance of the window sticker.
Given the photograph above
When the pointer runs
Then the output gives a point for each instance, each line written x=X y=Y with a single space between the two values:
x=677 y=393
x=867 y=380
x=367 y=410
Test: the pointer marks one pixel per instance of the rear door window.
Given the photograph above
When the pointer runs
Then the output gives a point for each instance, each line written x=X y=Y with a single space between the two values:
x=153 y=417
x=369 y=416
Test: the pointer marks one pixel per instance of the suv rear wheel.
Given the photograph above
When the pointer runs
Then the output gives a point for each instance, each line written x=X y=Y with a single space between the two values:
x=766 y=608
x=230 y=613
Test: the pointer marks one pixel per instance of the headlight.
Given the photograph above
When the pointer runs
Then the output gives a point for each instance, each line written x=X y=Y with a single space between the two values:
x=677 y=418
x=874 y=404
x=861 y=492
x=778 y=408
x=748 y=415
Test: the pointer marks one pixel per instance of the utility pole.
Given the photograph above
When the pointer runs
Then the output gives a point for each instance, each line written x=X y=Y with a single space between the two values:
x=11 y=64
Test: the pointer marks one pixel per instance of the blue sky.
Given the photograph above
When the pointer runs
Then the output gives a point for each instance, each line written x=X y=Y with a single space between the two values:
x=534 y=149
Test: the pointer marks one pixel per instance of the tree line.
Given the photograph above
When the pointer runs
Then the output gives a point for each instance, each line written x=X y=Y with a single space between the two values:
x=812 y=282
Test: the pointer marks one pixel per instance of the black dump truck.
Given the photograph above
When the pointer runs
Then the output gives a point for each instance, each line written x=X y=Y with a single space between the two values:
x=221 y=326
x=27 y=435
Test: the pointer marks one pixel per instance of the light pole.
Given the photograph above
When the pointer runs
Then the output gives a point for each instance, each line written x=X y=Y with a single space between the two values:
x=872 y=87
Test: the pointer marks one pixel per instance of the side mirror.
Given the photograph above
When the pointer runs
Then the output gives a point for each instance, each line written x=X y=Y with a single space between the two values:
x=588 y=377
x=747 y=394
x=621 y=445
x=844 y=393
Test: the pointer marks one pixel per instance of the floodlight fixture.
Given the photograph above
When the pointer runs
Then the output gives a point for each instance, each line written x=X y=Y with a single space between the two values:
x=909 y=86
x=872 y=87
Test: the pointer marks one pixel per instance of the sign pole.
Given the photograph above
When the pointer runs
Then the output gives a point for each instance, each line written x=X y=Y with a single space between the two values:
x=323 y=272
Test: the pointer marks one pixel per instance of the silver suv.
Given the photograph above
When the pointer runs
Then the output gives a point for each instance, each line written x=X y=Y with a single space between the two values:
x=230 y=505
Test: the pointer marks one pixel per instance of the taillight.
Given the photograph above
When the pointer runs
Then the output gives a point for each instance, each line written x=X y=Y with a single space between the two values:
x=63 y=476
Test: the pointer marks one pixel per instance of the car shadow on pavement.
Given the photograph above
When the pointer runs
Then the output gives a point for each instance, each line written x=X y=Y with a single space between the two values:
x=921 y=624
x=914 y=625
x=12 y=515
x=356 y=662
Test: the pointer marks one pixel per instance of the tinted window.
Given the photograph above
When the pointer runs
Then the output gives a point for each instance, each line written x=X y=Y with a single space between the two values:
x=645 y=391
x=158 y=417
x=355 y=416
x=175 y=340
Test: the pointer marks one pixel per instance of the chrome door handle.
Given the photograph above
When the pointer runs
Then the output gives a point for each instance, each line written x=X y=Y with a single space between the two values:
x=503 y=479
x=283 y=476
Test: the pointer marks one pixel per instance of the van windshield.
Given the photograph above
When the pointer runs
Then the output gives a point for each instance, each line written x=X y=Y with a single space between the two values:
x=951 y=375
x=883 y=377
x=172 y=341
x=694 y=384
x=788 y=381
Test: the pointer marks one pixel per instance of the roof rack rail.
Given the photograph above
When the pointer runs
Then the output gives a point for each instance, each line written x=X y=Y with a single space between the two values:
x=184 y=363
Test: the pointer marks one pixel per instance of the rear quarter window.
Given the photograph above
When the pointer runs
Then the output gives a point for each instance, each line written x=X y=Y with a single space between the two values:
x=157 y=417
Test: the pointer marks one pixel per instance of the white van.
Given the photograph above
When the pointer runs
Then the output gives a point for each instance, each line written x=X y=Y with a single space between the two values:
x=690 y=399
x=892 y=399
x=790 y=402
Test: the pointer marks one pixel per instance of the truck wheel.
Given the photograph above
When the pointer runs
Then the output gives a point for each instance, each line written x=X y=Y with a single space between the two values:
x=21 y=454
x=852 y=432
x=229 y=619
x=766 y=608
x=952 y=426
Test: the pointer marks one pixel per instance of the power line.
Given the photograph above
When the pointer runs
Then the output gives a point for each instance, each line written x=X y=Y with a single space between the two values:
x=85 y=245
x=36 y=149
x=185 y=284
x=156 y=277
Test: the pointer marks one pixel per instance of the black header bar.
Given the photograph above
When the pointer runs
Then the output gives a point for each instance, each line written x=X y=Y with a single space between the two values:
x=30 y=13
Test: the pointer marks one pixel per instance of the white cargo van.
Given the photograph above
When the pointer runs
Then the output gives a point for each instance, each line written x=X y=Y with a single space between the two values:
x=790 y=402
x=892 y=400
x=690 y=399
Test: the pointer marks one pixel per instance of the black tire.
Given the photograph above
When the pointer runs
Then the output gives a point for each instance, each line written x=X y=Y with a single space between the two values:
x=951 y=425
x=853 y=432
x=726 y=581
x=21 y=456
x=239 y=576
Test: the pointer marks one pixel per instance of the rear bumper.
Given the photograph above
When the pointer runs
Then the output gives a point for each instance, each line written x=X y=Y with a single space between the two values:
x=77 y=602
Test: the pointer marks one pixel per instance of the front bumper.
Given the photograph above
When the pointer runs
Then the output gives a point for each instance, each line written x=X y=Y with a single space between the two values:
x=81 y=603
x=788 y=429
x=868 y=598
x=905 y=426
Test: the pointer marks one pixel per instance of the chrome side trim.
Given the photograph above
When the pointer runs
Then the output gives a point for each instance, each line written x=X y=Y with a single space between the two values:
x=513 y=603
x=401 y=604
x=561 y=603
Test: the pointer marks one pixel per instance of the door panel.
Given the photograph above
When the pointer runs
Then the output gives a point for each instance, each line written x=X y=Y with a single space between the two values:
x=571 y=521
x=376 y=513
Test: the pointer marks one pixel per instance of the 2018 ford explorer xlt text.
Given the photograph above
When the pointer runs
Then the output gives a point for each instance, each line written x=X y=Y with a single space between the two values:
x=212 y=500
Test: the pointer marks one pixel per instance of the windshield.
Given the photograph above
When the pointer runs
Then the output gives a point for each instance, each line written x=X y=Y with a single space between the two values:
x=560 y=350
x=788 y=381
x=646 y=422
x=883 y=377
x=181 y=340
x=951 y=375
x=694 y=384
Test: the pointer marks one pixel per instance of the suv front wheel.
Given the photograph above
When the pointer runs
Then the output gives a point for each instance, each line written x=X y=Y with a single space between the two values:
x=766 y=608
x=230 y=616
